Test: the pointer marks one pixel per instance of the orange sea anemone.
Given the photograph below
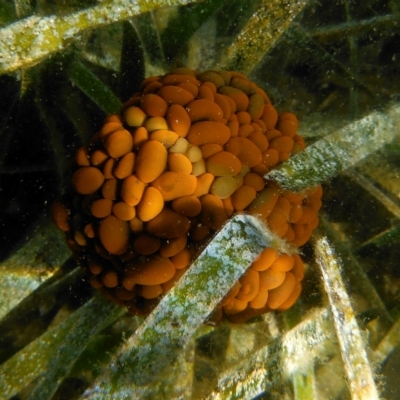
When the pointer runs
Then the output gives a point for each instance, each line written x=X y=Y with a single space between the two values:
x=159 y=179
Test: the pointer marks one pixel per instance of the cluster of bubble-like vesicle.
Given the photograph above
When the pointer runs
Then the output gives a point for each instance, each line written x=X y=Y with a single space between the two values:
x=158 y=180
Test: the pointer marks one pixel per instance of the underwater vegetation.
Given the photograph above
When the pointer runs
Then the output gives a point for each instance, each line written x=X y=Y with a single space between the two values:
x=65 y=67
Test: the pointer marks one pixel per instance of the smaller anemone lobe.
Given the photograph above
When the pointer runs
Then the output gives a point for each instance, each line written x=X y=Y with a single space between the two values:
x=186 y=152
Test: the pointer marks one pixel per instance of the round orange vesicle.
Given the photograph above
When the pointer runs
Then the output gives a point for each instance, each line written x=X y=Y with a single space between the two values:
x=204 y=132
x=189 y=206
x=114 y=235
x=255 y=181
x=153 y=271
x=98 y=157
x=269 y=116
x=123 y=211
x=270 y=279
x=156 y=123
x=187 y=152
x=172 y=185
x=243 y=197
x=151 y=204
x=256 y=106
x=204 y=109
x=178 y=119
x=151 y=161
x=125 y=166
x=168 y=224
x=265 y=259
x=82 y=157
x=153 y=105
x=146 y=244
x=213 y=213
x=182 y=259
x=175 y=95
x=87 y=180
x=245 y=150
x=179 y=163
x=223 y=186
x=264 y=203
x=241 y=100
x=119 y=143
x=140 y=136
x=223 y=163
x=132 y=190
x=166 y=137
x=60 y=214
x=101 y=208
x=173 y=246
x=250 y=285
x=280 y=294
x=135 y=116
